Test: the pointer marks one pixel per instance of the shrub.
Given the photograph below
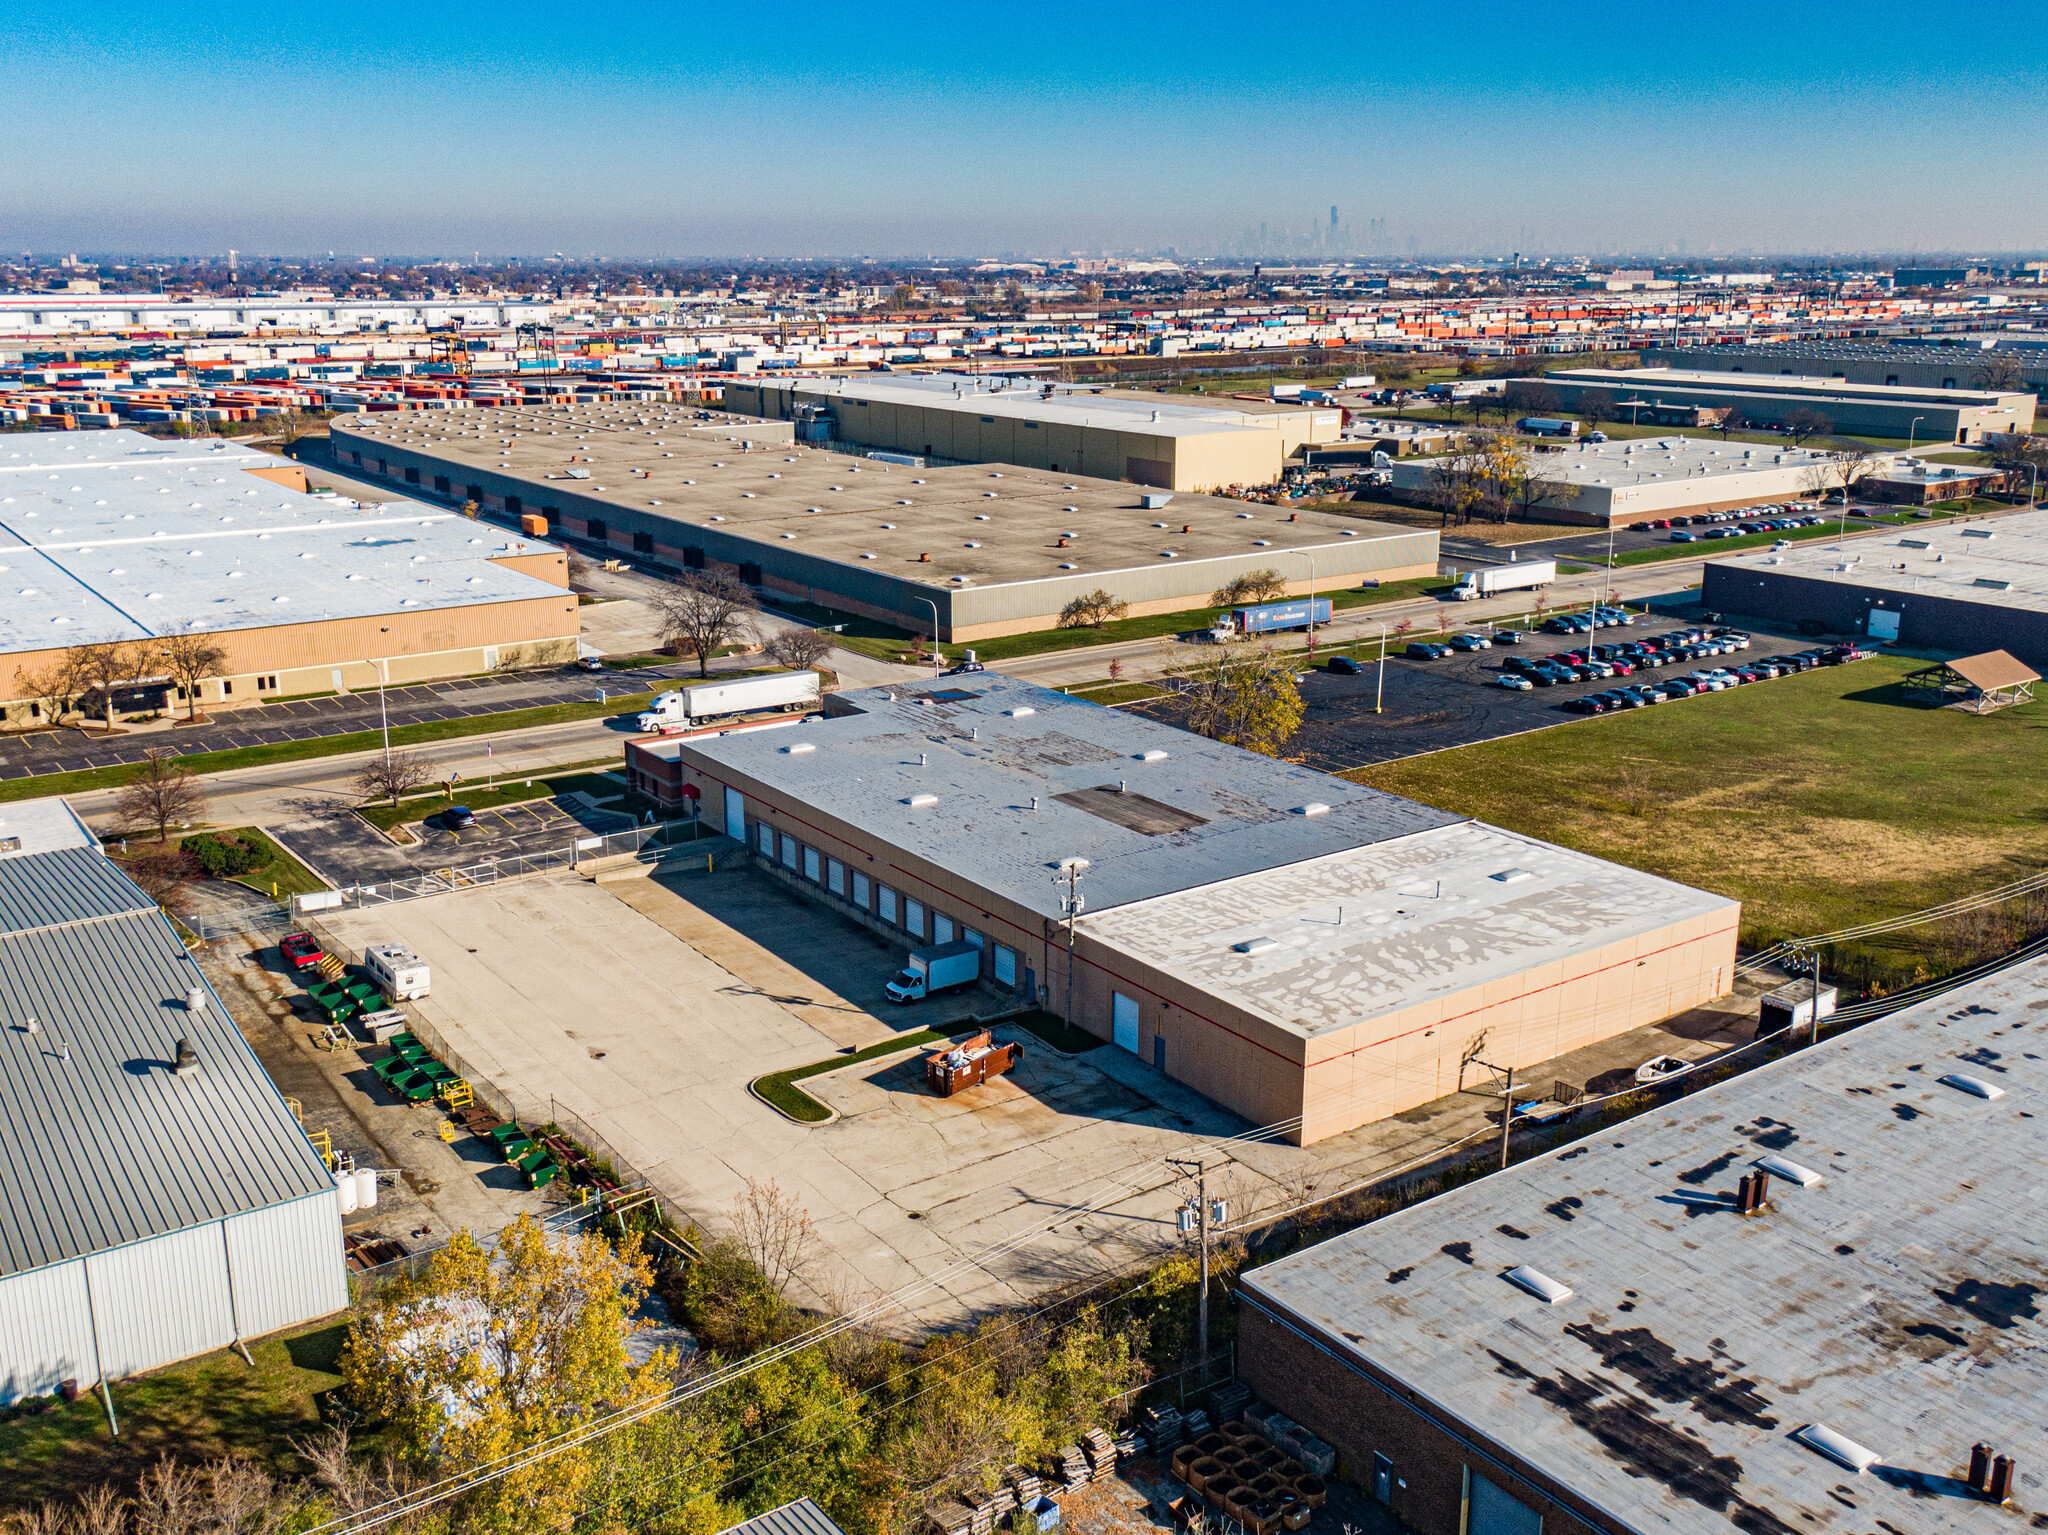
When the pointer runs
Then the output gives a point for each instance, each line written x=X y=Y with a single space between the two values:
x=224 y=857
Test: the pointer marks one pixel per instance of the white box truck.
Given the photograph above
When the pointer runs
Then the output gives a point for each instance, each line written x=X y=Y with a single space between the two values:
x=942 y=967
x=399 y=973
x=681 y=708
x=1488 y=580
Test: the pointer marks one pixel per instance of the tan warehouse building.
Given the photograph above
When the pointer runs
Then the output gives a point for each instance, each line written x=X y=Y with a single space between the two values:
x=1309 y=953
x=968 y=551
x=1172 y=442
x=118 y=537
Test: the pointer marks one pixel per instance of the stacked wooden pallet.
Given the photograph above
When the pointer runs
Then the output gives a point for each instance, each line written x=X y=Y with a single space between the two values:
x=1229 y=1400
x=1073 y=1469
x=1164 y=1429
x=1023 y=1485
x=1101 y=1452
x=1196 y=1424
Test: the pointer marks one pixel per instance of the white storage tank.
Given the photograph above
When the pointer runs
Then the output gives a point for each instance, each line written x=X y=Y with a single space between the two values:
x=345 y=1187
x=366 y=1188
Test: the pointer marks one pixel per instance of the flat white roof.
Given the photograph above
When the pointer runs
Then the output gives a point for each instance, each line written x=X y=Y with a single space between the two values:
x=1337 y=940
x=1646 y=460
x=2001 y=561
x=115 y=535
x=42 y=826
x=1028 y=402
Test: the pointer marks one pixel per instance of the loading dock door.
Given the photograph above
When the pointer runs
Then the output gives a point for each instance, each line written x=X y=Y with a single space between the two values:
x=735 y=815
x=1123 y=1022
x=1884 y=623
x=1495 y=1513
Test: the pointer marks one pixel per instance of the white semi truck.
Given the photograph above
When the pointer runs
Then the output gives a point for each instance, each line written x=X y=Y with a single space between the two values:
x=1490 y=579
x=682 y=708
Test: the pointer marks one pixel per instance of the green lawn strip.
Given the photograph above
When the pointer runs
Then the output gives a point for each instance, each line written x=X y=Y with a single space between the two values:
x=281 y=878
x=196 y=1411
x=779 y=1087
x=86 y=780
x=511 y=791
x=1117 y=692
x=1819 y=800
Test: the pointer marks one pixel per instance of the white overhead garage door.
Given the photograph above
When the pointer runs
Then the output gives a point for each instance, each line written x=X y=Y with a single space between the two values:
x=1123 y=1022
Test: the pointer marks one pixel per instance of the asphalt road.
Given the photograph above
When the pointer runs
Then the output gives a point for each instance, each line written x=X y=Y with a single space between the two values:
x=1434 y=705
x=63 y=751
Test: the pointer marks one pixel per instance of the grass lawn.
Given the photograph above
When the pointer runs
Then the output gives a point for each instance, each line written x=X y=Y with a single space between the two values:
x=1117 y=692
x=88 y=779
x=780 y=1088
x=1819 y=800
x=204 y=1408
x=283 y=877
x=510 y=791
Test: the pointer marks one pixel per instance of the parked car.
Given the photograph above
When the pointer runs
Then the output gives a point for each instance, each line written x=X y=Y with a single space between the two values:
x=1682 y=537
x=1508 y=636
x=301 y=950
x=965 y=666
x=1424 y=651
x=1648 y=695
x=1345 y=666
x=1586 y=704
x=1516 y=681
x=1469 y=643
x=589 y=664
x=458 y=817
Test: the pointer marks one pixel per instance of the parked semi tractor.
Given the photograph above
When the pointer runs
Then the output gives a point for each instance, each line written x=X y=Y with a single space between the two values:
x=1271 y=618
x=942 y=967
x=710 y=702
x=1504 y=578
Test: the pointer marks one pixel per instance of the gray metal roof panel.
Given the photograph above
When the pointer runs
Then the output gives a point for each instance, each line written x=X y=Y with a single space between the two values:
x=108 y=1146
x=803 y=1517
x=1899 y=1301
x=986 y=766
x=65 y=885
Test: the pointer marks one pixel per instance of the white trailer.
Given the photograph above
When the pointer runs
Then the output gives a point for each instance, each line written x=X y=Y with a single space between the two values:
x=1490 y=579
x=707 y=701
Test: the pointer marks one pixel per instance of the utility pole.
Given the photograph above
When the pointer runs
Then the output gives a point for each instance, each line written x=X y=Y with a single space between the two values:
x=1507 y=1118
x=1070 y=905
x=1205 y=1215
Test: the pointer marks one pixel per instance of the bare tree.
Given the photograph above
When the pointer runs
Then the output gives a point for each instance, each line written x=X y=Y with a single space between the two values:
x=163 y=871
x=191 y=658
x=162 y=794
x=392 y=775
x=1814 y=479
x=1999 y=370
x=1806 y=423
x=104 y=666
x=1545 y=490
x=799 y=649
x=700 y=612
x=1852 y=461
x=775 y=1230
x=1264 y=585
x=1531 y=396
x=55 y=682
x=1593 y=409
x=1731 y=420
x=1091 y=610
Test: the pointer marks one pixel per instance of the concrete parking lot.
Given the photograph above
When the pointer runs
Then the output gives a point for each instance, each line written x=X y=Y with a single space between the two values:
x=1432 y=705
x=644 y=1006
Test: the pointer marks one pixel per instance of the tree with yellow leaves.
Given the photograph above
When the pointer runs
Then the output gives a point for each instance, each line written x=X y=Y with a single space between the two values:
x=489 y=1353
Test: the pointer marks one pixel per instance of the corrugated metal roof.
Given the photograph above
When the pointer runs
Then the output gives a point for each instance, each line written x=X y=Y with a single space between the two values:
x=987 y=765
x=65 y=885
x=803 y=1517
x=1899 y=1299
x=109 y=1146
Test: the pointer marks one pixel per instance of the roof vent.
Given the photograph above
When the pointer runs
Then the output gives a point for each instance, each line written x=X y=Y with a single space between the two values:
x=1976 y=1087
x=1255 y=946
x=917 y=801
x=1512 y=876
x=1313 y=807
x=1020 y=712
x=1154 y=755
x=1538 y=1284
x=188 y=1059
x=1790 y=1171
x=195 y=1000
x=800 y=747
x=1838 y=1447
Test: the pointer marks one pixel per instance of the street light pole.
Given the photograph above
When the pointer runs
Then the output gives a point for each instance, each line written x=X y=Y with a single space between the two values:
x=1379 y=692
x=1309 y=555
x=1910 y=430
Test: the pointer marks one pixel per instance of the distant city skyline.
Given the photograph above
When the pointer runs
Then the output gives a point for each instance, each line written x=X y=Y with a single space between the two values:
x=828 y=131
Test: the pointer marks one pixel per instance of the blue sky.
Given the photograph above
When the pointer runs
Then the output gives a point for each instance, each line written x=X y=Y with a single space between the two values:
x=649 y=129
